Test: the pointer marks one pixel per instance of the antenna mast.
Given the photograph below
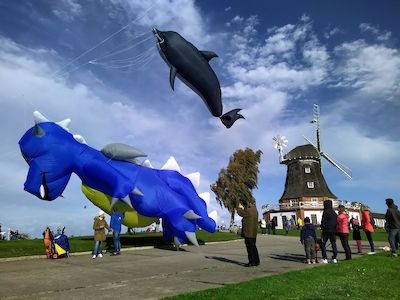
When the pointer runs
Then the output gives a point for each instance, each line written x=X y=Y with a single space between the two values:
x=315 y=121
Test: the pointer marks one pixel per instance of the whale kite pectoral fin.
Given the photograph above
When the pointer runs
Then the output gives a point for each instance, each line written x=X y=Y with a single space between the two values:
x=191 y=215
x=208 y=55
x=191 y=236
x=230 y=117
x=172 y=75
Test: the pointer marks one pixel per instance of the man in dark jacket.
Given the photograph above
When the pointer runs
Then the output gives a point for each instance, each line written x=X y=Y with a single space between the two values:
x=249 y=231
x=392 y=225
x=328 y=227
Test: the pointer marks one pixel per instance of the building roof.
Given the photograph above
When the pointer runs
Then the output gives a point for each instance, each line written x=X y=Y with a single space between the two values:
x=302 y=152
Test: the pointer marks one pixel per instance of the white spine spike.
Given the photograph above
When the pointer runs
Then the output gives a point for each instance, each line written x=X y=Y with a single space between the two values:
x=191 y=236
x=80 y=139
x=113 y=201
x=171 y=164
x=206 y=197
x=194 y=178
x=127 y=201
x=191 y=215
x=147 y=163
x=138 y=192
x=39 y=118
x=64 y=124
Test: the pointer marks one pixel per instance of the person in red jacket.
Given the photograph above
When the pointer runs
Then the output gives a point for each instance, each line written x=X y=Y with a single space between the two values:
x=342 y=229
x=367 y=227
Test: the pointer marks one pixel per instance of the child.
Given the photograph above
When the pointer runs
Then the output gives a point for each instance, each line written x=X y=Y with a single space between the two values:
x=356 y=234
x=308 y=238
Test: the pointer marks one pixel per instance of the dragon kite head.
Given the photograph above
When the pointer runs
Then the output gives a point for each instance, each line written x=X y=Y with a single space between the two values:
x=49 y=149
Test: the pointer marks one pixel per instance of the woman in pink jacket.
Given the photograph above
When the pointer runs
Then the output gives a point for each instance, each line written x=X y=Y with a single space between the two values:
x=367 y=227
x=343 y=230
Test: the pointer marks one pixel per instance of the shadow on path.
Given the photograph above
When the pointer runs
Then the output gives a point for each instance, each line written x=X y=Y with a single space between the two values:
x=289 y=257
x=227 y=260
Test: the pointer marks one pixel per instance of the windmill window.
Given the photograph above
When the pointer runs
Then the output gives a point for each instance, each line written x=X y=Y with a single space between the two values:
x=310 y=184
x=307 y=170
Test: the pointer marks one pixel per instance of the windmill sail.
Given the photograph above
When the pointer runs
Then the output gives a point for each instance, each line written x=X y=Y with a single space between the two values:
x=345 y=170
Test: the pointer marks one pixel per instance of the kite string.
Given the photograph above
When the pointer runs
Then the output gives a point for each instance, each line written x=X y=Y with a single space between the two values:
x=116 y=51
x=105 y=40
x=121 y=62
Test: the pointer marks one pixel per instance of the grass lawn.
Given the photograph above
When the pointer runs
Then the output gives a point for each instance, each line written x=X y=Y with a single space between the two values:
x=86 y=243
x=368 y=277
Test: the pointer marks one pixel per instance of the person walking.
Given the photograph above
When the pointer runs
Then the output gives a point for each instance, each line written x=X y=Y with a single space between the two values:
x=392 y=225
x=249 y=216
x=368 y=228
x=308 y=237
x=115 y=224
x=343 y=230
x=356 y=234
x=328 y=231
x=99 y=226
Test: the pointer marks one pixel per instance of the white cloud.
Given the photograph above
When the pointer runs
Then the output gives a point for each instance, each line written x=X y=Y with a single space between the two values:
x=373 y=69
x=67 y=10
x=182 y=16
x=375 y=30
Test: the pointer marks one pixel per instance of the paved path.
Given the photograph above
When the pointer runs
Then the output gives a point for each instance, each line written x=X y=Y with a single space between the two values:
x=148 y=273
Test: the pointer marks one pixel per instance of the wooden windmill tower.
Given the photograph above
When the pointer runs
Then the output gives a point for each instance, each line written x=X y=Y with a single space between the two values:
x=305 y=186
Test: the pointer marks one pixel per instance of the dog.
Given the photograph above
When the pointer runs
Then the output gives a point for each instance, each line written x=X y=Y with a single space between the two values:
x=318 y=247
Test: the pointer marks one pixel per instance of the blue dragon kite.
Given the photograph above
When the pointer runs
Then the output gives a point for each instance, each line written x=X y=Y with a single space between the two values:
x=112 y=178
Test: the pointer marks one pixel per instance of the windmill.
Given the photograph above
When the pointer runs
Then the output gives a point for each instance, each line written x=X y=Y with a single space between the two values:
x=280 y=142
x=345 y=170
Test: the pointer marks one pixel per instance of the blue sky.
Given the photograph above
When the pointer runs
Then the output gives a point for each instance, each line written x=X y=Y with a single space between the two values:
x=275 y=61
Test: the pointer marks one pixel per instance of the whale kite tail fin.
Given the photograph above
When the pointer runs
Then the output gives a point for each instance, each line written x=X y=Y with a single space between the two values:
x=230 y=117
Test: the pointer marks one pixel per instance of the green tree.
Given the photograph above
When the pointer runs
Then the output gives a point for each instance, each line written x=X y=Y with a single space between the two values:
x=235 y=183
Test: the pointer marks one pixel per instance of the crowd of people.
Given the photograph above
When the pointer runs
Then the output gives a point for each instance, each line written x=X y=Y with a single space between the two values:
x=10 y=234
x=332 y=225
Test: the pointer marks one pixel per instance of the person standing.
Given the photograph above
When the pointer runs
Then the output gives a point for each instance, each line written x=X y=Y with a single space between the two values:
x=288 y=225
x=308 y=237
x=368 y=228
x=328 y=228
x=299 y=223
x=343 y=230
x=392 y=225
x=115 y=224
x=273 y=226
x=357 y=234
x=99 y=226
x=249 y=216
x=263 y=226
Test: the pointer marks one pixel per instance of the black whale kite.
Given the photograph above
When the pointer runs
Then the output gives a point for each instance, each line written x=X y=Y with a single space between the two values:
x=192 y=67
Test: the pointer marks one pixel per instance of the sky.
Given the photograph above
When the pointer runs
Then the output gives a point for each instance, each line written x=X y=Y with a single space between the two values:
x=96 y=62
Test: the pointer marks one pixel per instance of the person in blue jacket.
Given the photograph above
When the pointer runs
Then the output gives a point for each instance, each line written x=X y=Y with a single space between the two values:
x=115 y=224
x=308 y=237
